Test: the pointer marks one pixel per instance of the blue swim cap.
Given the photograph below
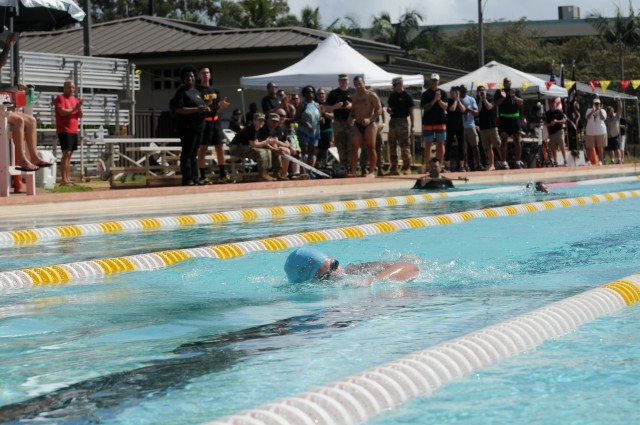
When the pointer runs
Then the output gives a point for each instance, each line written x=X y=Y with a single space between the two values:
x=303 y=264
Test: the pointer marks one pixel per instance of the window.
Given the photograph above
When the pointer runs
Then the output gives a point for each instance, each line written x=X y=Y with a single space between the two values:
x=165 y=79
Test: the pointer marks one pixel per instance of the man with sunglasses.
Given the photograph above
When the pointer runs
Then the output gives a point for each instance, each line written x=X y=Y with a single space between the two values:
x=310 y=264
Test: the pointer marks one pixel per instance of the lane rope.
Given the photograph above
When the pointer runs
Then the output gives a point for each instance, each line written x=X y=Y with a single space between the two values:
x=362 y=396
x=63 y=273
x=32 y=236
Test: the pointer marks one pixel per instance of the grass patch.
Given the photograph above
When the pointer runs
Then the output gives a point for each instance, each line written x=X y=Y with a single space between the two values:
x=69 y=189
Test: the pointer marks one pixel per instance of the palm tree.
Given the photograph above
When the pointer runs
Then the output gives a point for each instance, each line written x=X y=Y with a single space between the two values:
x=400 y=33
x=310 y=18
x=349 y=26
x=621 y=30
x=382 y=29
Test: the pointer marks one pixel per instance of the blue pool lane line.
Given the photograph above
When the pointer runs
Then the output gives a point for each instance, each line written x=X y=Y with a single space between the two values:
x=32 y=236
x=63 y=273
x=360 y=397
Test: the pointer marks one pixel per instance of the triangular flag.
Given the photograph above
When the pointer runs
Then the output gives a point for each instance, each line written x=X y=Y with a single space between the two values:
x=525 y=85
x=491 y=86
x=548 y=84
x=635 y=84
x=624 y=84
x=569 y=84
x=501 y=86
x=604 y=84
x=594 y=84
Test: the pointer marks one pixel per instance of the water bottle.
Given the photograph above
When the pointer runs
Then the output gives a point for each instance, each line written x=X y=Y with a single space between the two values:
x=31 y=95
x=101 y=132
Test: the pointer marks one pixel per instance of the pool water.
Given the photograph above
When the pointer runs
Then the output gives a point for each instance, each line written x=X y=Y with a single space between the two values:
x=206 y=338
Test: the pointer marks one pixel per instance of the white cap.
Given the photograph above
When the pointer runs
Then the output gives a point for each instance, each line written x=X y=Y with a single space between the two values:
x=435 y=76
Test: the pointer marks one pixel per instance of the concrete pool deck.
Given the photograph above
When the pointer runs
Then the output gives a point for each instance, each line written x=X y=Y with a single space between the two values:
x=116 y=202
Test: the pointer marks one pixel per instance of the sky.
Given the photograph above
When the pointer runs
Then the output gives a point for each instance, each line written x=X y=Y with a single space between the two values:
x=441 y=12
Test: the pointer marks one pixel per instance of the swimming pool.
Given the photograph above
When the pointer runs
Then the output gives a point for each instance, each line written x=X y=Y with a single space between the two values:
x=207 y=338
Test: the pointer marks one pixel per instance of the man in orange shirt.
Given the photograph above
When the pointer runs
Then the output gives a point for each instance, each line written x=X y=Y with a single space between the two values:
x=68 y=110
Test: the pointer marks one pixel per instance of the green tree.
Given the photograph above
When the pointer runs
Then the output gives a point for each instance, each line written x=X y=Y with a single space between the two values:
x=192 y=10
x=402 y=33
x=621 y=31
x=310 y=18
x=254 y=14
x=349 y=25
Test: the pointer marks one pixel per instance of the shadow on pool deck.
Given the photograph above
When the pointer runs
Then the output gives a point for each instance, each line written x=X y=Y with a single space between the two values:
x=164 y=199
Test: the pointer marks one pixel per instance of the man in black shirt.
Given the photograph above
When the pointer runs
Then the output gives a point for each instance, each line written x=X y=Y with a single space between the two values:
x=434 y=119
x=339 y=103
x=455 y=129
x=212 y=133
x=555 y=121
x=488 y=129
x=509 y=101
x=270 y=102
x=400 y=107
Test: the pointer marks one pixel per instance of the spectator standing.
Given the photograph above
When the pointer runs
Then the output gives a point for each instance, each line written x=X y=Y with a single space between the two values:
x=400 y=107
x=434 y=119
x=509 y=101
x=613 y=133
x=68 y=109
x=212 y=133
x=489 y=130
x=364 y=113
x=339 y=103
x=191 y=110
x=270 y=102
x=469 y=125
x=624 y=126
x=246 y=144
x=554 y=121
x=596 y=132
x=455 y=129
x=308 y=119
x=326 y=128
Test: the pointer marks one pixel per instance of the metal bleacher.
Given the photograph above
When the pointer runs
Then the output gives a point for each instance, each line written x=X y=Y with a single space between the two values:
x=108 y=86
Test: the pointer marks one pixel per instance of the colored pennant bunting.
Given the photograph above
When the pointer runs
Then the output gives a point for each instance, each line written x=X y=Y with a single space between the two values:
x=594 y=84
x=635 y=84
x=624 y=84
x=525 y=85
x=604 y=84
x=569 y=84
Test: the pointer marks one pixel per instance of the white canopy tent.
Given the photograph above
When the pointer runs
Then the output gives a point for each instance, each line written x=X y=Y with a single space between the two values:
x=492 y=74
x=321 y=68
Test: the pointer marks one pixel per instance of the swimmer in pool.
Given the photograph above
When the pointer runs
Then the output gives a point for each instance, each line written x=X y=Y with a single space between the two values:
x=435 y=181
x=538 y=187
x=310 y=264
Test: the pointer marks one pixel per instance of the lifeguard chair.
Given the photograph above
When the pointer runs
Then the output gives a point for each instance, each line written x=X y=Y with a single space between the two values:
x=7 y=157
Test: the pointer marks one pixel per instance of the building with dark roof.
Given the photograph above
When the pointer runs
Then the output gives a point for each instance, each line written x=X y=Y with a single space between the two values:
x=159 y=47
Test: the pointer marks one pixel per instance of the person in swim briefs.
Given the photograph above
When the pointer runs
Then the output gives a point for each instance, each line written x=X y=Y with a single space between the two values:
x=310 y=264
x=435 y=181
x=366 y=109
